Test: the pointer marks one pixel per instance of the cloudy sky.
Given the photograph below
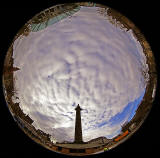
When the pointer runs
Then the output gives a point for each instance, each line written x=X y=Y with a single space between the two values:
x=86 y=60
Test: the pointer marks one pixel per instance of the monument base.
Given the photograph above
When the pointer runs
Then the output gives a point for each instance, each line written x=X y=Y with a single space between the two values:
x=79 y=142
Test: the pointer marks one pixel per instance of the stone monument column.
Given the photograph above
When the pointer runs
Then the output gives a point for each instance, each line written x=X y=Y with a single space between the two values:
x=78 y=126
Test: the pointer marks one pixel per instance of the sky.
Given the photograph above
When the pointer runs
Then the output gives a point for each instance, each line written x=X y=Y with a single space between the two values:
x=81 y=59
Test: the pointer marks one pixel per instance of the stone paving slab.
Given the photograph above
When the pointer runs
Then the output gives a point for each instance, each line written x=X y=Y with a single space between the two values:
x=79 y=146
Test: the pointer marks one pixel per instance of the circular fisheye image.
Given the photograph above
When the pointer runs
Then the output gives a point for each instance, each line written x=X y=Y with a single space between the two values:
x=79 y=78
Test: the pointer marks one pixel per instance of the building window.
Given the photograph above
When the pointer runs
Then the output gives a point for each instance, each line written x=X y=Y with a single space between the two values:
x=77 y=150
x=59 y=148
x=82 y=150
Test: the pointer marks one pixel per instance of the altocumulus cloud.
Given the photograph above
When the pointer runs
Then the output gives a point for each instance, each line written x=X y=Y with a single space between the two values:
x=86 y=60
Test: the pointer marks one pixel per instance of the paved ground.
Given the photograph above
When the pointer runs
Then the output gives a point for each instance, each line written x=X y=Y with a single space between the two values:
x=79 y=146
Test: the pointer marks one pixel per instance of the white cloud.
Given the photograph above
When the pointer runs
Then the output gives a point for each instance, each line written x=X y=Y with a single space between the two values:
x=83 y=60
